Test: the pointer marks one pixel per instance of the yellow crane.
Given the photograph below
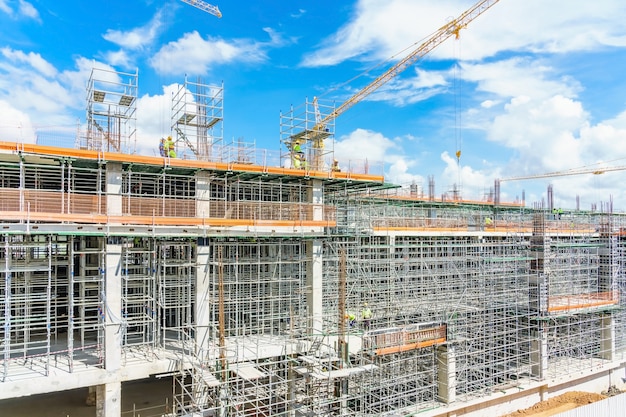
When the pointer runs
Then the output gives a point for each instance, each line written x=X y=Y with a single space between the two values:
x=319 y=131
x=202 y=5
x=597 y=170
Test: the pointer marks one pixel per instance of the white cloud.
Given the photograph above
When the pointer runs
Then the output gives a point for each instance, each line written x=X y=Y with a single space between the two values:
x=15 y=125
x=136 y=38
x=24 y=9
x=518 y=76
x=381 y=28
x=473 y=184
x=362 y=144
x=365 y=146
x=195 y=55
x=119 y=58
x=32 y=59
x=298 y=14
x=153 y=123
x=33 y=86
x=28 y=10
x=400 y=92
x=4 y=7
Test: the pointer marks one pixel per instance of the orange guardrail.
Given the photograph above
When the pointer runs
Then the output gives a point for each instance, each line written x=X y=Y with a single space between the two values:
x=579 y=301
x=155 y=220
x=402 y=339
x=183 y=163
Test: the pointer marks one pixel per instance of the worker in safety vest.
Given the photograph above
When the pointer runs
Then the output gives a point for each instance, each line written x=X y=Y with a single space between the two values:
x=351 y=317
x=297 y=161
x=170 y=147
x=366 y=315
x=296 y=155
x=335 y=167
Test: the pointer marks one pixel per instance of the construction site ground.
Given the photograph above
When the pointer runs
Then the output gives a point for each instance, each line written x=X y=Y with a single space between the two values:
x=145 y=398
x=561 y=403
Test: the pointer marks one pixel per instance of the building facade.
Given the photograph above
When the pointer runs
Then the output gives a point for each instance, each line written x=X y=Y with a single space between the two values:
x=236 y=279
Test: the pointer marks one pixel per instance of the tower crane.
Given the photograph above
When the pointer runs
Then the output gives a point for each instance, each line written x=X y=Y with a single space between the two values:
x=573 y=171
x=319 y=132
x=203 y=5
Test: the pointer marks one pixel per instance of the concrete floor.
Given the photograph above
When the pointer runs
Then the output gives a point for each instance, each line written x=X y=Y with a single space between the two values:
x=145 y=397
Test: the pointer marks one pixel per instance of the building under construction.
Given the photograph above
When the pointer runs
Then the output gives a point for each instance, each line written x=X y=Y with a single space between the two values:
x=235 y=274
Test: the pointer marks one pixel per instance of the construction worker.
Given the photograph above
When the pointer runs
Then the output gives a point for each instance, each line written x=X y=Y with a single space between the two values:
x=335 y=167
x=304 y=164
x=560 y=212
x=351 y=317
x=162 y=147
x=170 y=147
x=296 y=147
x=366 y=315
x=296 y=155
x=488 y=222
x=297 y=163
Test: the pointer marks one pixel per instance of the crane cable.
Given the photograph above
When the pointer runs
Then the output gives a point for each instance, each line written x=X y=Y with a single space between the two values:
x=457 y=84
x=395 y=57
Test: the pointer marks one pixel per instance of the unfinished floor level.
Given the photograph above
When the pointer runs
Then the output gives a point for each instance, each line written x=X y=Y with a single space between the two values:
x=239 y=280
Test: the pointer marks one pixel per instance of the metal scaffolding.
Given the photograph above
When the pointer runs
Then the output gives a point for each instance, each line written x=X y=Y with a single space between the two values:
x=280 y=294
x=111 y=111
x=197 y=115
x=305 y=146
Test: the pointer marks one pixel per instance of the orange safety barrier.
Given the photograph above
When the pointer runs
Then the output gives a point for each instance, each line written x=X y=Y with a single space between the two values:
x=451 y=201
x=90 y=208
x=183 y=163
x=396 y=340
x=578 y=301
x=155 y=220
x=409 y=346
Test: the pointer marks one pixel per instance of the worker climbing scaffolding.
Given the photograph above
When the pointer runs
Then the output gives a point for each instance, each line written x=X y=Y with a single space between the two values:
x=297 y=156
x=167 y=147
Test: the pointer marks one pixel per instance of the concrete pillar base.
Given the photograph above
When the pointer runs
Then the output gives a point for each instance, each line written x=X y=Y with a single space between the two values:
x=109 y=400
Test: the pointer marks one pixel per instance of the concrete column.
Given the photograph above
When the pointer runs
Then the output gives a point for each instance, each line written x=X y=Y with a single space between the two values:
x=114 y=188
x=113 y=328
x=314 y=282
x=539 y=353
x=316 y=198
x=203 y=294
x=203 y=194
x=446 y=373
x=314 y=255
x=607 y=337
x=109 y=400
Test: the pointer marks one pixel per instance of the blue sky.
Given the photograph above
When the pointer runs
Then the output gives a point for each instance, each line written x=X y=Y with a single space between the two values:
x=530 y=87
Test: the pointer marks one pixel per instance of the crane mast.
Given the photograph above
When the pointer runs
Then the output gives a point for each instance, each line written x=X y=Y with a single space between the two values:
x=202 y=5
x=319 y=132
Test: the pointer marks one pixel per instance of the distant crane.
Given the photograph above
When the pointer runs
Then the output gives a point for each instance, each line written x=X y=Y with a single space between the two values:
x=202 y=5
x=574 y=171
x=318 y=133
